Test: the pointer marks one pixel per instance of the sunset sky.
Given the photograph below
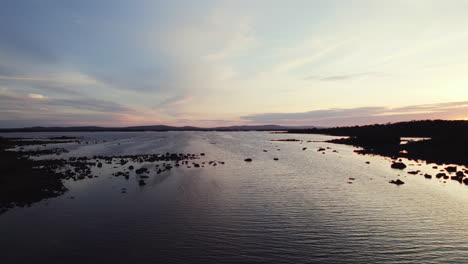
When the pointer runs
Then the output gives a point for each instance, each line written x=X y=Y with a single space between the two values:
x=212 y=63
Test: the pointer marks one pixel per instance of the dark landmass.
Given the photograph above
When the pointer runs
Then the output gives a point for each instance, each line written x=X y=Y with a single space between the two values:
x=158 y=128
x=446 y=143
x=421 y=128
x=24 y=181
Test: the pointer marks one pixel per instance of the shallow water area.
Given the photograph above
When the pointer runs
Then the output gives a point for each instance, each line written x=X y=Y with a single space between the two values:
x=305 y=207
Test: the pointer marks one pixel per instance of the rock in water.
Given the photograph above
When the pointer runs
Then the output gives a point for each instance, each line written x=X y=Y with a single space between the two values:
x=141 y=170
x=398 y=165
x=451 y=169
x=248 y=160
x=397 y=182
x=465 y=181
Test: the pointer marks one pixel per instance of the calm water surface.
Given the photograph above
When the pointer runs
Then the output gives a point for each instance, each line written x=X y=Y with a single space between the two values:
x=299 y=209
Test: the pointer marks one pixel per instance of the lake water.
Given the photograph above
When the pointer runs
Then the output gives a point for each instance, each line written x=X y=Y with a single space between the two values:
x=303 y=208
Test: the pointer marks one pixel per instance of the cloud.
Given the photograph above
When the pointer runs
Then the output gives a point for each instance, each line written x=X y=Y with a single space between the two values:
x=33 y=102
x=342 y=77
x=306 y=59
x=36 y=109
x=64 y=119
x=174 y=100
x=89 y=104
x=36 y=96
x=363 y=115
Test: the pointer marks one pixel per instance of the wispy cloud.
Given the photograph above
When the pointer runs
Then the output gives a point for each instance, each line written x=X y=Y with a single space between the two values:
x=343 y=77
x=305 y=59
x=172 y=101
x=36 y=96
x=33 y=102
x=364 y=115
x=40 y=110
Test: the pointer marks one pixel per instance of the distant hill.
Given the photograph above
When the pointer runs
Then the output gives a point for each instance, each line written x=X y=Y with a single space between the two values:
x=261 y=128
x=159 y=128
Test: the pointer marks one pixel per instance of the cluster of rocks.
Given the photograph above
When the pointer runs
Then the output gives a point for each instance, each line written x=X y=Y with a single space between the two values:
x=460 y=175
x=321 y=149
x=24 y=181
x=78 y=168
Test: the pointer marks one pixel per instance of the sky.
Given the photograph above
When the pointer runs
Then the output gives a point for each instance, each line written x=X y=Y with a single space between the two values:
x=217 y=63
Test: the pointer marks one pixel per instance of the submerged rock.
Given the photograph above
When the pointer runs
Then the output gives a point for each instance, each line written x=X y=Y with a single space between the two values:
x=248 y=160
x=141 y=170
x=397 y=182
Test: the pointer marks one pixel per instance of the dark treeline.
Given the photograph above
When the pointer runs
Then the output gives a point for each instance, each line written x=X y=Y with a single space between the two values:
x=423 y=128
x=447 y=143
